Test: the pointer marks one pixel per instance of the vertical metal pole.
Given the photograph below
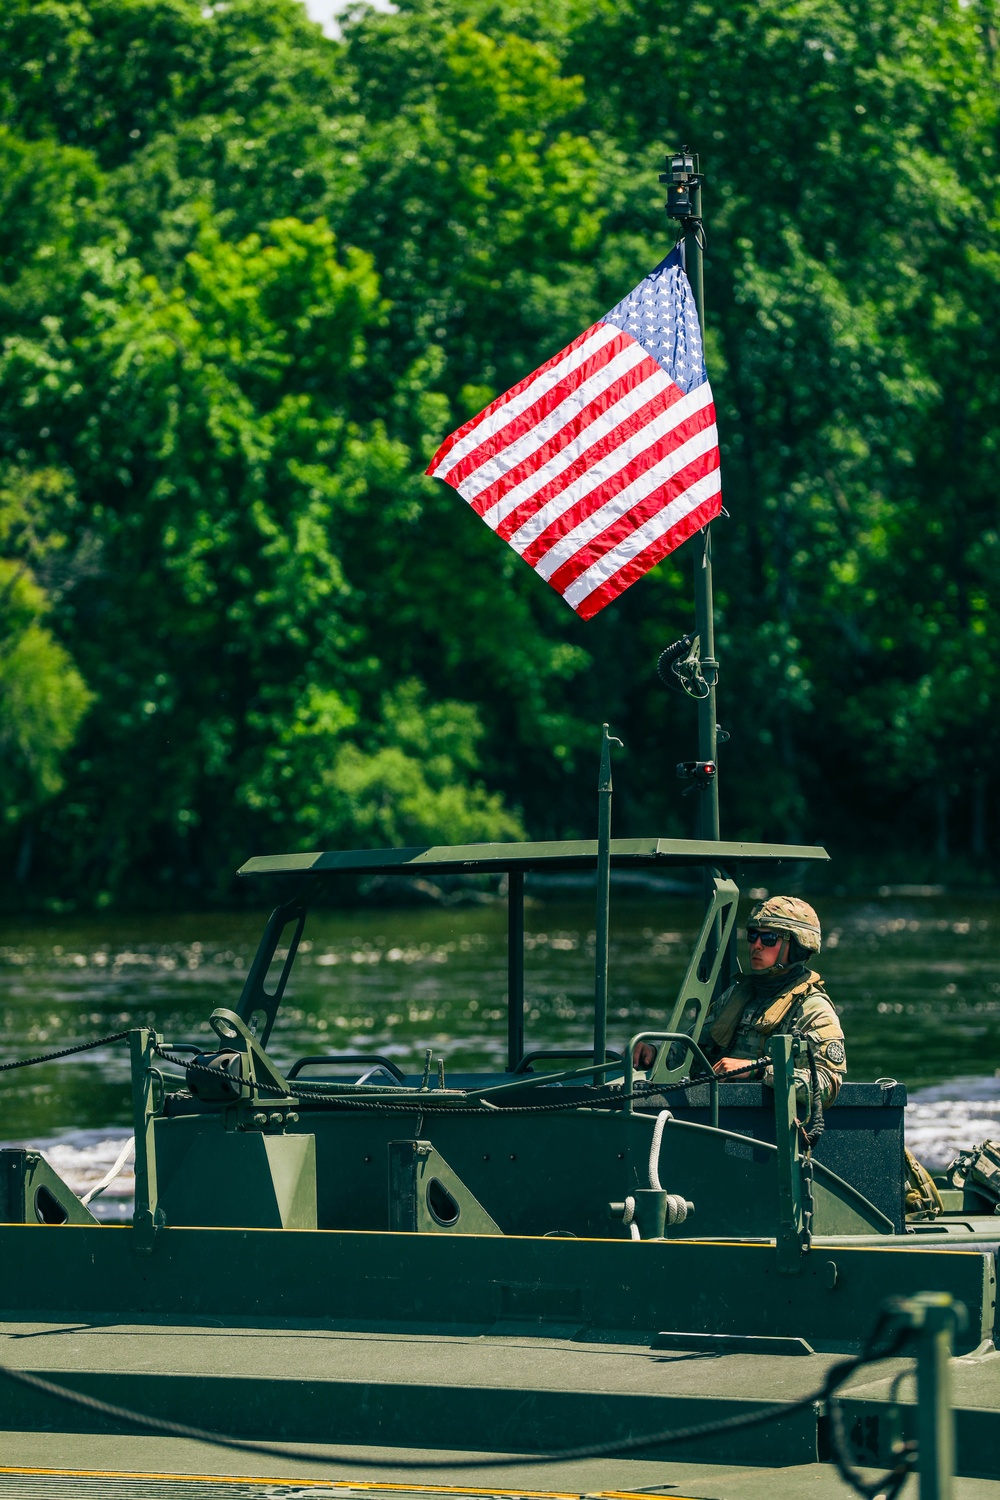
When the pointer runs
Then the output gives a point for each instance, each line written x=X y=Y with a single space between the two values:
x=708 y=797
x=144 y=1218
x=603 y=900
x=704 y=613
x=789 y=1239
x=515 y=968
x=935 y=1415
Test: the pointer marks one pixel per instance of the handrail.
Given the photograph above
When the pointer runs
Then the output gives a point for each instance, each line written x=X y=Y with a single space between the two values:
x=610 y=1055
x=692 y=1046
x=347 y=1057
x=530 y=1080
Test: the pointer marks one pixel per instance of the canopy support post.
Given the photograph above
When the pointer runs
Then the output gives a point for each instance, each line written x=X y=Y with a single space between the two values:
x=603 y=900
x=515 y=968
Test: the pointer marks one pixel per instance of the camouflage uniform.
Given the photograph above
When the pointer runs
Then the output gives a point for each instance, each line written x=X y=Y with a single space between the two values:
x=741 y=1022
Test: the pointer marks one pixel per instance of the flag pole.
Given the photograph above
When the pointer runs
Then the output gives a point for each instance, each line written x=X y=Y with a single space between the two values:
x=684 y=182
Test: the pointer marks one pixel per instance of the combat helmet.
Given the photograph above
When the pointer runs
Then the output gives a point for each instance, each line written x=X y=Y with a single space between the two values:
x=788 y=914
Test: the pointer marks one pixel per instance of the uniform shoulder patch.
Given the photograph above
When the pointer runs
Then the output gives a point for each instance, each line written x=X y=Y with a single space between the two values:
x=835 y=1052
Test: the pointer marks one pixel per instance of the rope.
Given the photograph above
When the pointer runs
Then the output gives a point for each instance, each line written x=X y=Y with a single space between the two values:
x=758 y=1418
x=127 y=1150
x=677 y=1208
x=628 y=1218
x=29 y=1062
x=611 y=1099
x=423 y=1103
x=654 y=1149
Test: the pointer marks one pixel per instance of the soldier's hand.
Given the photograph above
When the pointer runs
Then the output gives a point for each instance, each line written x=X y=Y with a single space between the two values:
x=643 y=1056
x=729 y=1065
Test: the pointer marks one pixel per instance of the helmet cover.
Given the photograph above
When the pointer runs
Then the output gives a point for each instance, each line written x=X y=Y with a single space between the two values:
x=788 y=914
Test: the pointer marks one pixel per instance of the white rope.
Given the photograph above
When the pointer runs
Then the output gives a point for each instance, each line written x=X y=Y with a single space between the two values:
x=654 y=1150
x=127 y=1150
x=628 y=1217
x=677 y=1208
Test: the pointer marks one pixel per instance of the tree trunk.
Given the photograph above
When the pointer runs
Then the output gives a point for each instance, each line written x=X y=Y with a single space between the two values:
x=978 y=811
x=27 y=849
x=941 y=822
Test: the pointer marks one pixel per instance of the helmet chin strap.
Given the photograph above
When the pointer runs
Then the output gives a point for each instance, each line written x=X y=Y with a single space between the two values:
x=783 y=954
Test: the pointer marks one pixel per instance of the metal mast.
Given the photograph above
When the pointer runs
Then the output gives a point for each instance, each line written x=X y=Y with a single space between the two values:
x=684 y=182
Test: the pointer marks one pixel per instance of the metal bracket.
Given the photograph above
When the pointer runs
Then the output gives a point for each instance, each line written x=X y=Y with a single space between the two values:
x=32 y=1192
x=256 y=1001
x=427 y=1197
x=702 y=980
x=259 y=1069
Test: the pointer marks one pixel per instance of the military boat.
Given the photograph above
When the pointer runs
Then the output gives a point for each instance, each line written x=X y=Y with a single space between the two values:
x=450 y=1269
x=566 y=1277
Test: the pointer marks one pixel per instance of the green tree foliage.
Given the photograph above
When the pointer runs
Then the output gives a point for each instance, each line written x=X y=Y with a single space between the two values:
x=854 y=191
x=249 y=278
x=43 y=698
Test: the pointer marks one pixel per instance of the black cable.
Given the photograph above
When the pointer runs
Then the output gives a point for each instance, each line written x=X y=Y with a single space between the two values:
x=617 y=1446
x=835 y=1377
x=424 y=1103
x=672 y=653
x=889 y=1483
x=692 y=225
x=29 y=1062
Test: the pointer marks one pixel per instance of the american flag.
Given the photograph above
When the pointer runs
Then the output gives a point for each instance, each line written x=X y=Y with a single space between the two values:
x=607 y=457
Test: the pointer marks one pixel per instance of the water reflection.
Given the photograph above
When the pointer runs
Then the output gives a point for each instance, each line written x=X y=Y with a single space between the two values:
x=915 y=979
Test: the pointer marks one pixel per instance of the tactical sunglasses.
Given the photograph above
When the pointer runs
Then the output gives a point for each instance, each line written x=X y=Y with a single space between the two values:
x=766 y=939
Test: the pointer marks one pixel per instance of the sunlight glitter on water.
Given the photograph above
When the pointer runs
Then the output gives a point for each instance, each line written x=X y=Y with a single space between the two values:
x=82 y=1158
x=948 y=1118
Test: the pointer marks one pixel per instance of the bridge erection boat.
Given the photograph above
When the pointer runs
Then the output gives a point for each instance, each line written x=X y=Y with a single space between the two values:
x=451 y=1268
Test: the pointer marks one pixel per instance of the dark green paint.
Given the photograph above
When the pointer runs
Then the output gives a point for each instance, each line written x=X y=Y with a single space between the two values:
x=232 y=1177
x=32 y=1193
x=426 y=1196
x=387 y=1415
x=793 y=1238
x=594 y=1290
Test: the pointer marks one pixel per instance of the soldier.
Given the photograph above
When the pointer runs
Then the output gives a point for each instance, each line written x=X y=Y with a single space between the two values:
x=780 y=994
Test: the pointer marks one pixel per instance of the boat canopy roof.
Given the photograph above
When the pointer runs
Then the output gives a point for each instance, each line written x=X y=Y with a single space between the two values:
x=560 y=855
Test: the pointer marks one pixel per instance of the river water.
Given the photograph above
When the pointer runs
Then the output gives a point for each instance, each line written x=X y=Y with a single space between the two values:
x=915 y=977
